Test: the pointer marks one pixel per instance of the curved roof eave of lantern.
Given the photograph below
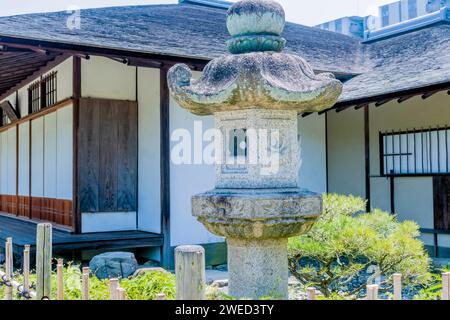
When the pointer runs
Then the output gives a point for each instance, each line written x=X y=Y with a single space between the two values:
x=257 y=74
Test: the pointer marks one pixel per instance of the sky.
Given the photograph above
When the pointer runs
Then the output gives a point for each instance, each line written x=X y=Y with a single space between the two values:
x=307 y=12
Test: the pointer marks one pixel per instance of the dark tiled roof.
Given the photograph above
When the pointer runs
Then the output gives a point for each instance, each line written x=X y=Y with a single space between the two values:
x=179 y=29
x=412 y=60
x=417 y=59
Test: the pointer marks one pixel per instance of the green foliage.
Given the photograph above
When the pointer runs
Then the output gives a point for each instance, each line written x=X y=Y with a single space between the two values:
x=143 y=287
x=432 y=290
x=345 y=241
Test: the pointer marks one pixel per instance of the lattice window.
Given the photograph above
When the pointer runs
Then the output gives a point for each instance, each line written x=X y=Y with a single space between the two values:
x=42 y=93
x=48 y=89
x=418 y=152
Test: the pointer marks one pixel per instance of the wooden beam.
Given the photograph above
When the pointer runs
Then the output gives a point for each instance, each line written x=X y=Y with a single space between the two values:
x=324 y=111
x=382 y=102
x=139 y=62
x=50 y=65
x=428 y=94
x=361 y=106
x=10 y=111
x=342 y=108
x=165 y=167
x=404 y=98
x=367 y=155
x=38 y=114
x=76 y=92
x=74 y=49
x=395 y=95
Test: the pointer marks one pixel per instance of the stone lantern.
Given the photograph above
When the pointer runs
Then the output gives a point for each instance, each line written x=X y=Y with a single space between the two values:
x=255 y=95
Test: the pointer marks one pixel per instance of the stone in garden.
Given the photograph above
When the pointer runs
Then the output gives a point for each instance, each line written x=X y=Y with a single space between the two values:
x=255 y=95
x=113 y=264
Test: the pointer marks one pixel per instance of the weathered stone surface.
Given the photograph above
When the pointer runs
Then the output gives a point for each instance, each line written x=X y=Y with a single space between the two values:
x=258 y=213
x=270 y=134
x=255 y=205
x=269 y=80
x=113 y=264
x=258 y=268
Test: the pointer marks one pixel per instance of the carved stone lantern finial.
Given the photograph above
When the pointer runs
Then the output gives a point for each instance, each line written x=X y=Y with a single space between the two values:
x=255 y=95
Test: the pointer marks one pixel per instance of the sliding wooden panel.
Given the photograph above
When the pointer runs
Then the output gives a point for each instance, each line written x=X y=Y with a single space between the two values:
x=109 y=135
x=441 y=199
x=107 y=156
x=88 y=155
x=127 y=157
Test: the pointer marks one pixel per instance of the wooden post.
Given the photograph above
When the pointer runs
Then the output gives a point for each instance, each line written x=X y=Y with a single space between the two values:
x=190 y=272
x=60 y=279
x=26 y=269
x=113 y=285
x=397 y=280
x=120 y=294
x=310 y=293
x=85 y=284
x=446 y=286
x=44 y=261
x=8 y=268
x=372 y=292
x=160 y=296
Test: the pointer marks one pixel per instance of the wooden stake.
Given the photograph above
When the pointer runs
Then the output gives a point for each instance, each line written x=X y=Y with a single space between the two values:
x=160 y=296
x=85 y=284
x=113 y=285
x=60 y=279
x=44 y=261
x=8 y=268
x=26 y=269
x=190 y=272
x=372 y=292
x=397 y=280
x=310 y=293
x=446 y=286
x=120 y=293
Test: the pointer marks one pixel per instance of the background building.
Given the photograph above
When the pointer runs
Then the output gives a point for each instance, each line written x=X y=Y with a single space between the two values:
x=389 y=14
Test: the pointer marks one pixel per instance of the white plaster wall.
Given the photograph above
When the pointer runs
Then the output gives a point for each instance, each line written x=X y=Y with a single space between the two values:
x=380 y=193
x=185 y=181
x=414 y=201
x=149 y=139
x=346 y=164
x=24 y=158
x=11 y=138
x=312 y=145
x=50 y=155
x=37 y=157
x=108 y=221
x=109 y=79
x=64 y=154
x=413 y=196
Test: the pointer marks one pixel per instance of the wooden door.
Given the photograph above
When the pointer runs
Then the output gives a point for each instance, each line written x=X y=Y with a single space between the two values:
x=107 y=156
x=441 y=199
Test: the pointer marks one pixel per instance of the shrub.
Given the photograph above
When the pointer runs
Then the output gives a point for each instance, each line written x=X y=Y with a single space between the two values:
x=433 y=289
x=345 y=241
x=143 y=287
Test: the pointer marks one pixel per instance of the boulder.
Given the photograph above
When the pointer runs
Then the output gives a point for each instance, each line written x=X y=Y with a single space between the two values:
x=113 y=264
